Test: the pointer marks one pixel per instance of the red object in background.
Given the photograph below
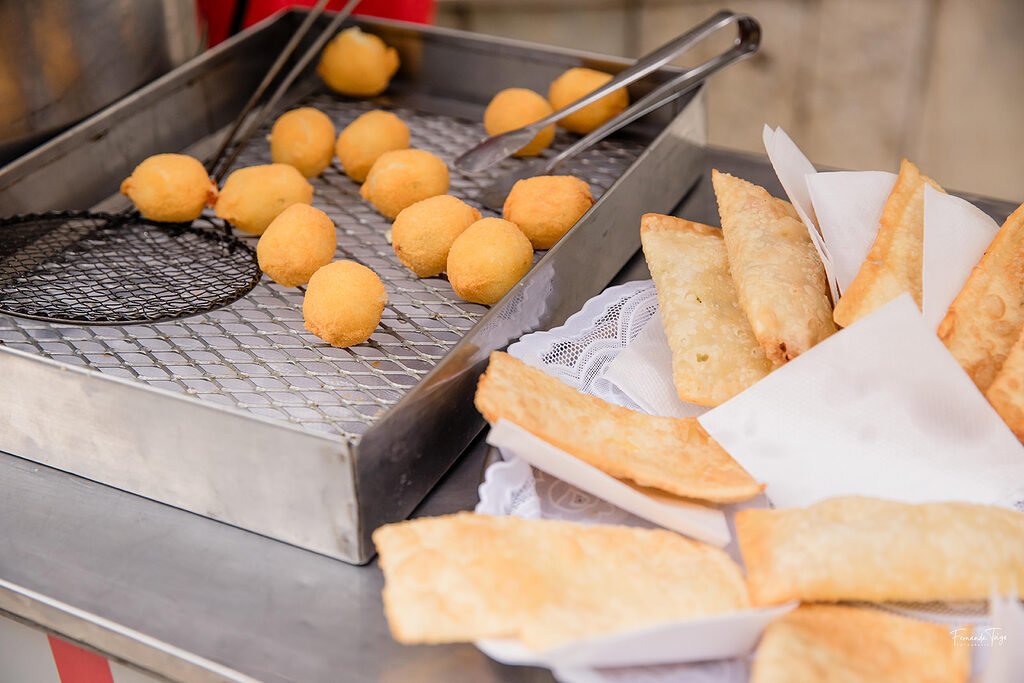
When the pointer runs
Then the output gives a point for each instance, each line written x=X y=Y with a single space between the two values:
x=220 y=15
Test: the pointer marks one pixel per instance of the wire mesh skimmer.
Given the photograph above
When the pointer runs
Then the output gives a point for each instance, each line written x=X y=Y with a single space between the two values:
x=95 y=268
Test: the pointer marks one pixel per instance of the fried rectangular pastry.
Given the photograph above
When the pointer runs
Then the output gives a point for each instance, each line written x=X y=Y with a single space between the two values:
x=670 y=454
x=855 y=548
x=714 y=352
x=1006 y=393
x=893 y=265
x=814 y=643
x=466 y=577
x=986 y=318
x=780 y=280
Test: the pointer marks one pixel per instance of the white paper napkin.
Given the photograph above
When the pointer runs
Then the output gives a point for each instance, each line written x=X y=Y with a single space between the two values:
x=956 y=234
x=643 y=371
x=693 y=640
x=849 y=205
x=793 y=168
x=703 y=522
x=1003 y=639
x=878 y=409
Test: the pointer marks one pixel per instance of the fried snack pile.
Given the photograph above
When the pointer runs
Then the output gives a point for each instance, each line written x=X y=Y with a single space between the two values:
x=857 y=548
x=487 y=260
x=344 y=303
x=465 y=577
x=669 y=454
x=517 y=107
x=357 y=64
x=254 y=196
x=714 y=352
x=546 y=207
x=856 y=645
x=423 y=234
x=403 y=177
x=363 y=141
x=171 y=188
x=296 y=244
x=578 y=82
x=303 y=138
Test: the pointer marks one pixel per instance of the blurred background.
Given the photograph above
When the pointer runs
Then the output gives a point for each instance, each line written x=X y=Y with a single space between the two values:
x=857 y=83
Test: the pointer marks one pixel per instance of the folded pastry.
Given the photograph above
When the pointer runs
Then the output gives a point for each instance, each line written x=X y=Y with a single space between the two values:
x=465 y=577
x=856 y=548
x=1006 y=393
x=779 y=278
x=893 y=265
x=670 y=454
x=816 y=643
x=714 y=353
x=986 y=317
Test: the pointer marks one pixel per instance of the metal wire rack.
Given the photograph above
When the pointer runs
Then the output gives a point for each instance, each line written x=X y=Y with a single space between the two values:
x=255 y=354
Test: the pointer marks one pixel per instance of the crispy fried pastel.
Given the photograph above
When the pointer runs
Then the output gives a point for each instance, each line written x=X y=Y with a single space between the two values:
x=986 y=317
x=779 y=278
x=856 y=548
x=357 y=63
x=816 y=643
x=893 y=265
x=714 y=353
x=1006 y=393
x=173 y=188
x=465 y=577
x=674 y=455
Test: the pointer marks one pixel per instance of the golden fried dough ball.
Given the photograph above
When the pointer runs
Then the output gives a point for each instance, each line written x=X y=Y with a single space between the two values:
x=303 y=138
x=545 y=207
x=514 y=108
x=365 y=139
x=403 y=177
x=296 y=243
x=172 y=188
x=358 y=64
x=423 y=233
x=343 y=304
x=254 y=196
x=487 y=259
x=574 y=84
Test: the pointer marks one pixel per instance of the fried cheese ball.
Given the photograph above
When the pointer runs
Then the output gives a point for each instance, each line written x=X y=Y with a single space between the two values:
x=254 y=196
x=170 y=188
x=363 y=141
x=357 y=64
x=574 y=84
x=296 y=244
x=343 y=304
x=514 y=108
x=403 y=177
x=423 y=233
x=545 y=207
x=303 y=138
x=488 y=259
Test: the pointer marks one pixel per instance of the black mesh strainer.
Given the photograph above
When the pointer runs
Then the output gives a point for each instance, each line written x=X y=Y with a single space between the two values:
x=93 y=268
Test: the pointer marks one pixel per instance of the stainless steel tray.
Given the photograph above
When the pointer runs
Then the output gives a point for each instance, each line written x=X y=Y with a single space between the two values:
x=240 y=414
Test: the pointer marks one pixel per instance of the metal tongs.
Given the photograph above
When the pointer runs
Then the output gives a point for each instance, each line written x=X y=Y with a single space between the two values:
x=494 y=149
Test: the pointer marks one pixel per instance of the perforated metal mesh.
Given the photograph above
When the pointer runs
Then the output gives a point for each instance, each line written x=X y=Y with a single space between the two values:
x=97 y=267
x=255 y=353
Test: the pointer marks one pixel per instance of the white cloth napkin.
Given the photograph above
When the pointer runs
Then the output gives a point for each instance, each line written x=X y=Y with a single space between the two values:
x=878 y=409
x=643 y=371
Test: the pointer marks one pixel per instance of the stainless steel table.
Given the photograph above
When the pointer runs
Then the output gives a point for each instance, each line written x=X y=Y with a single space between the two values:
x=191 y=599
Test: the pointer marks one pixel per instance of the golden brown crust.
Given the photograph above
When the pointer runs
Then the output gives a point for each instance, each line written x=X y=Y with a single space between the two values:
x=780 y=280
x=817 y=643
x=986 y=317
x=856 y=548
x=674 y=455
x=1006 y=393
x=464 y=577
x=714 y=353
x=893 y=265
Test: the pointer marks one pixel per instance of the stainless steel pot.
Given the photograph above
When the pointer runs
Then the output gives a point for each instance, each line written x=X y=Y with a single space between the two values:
x=62 y=60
